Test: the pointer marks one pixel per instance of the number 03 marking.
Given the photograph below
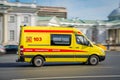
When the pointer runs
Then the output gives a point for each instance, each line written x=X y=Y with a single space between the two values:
x=37 y=39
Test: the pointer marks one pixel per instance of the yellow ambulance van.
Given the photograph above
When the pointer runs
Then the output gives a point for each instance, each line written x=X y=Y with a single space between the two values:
x=40 y=44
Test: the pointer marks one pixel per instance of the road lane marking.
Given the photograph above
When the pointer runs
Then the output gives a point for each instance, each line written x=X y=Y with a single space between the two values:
x=71 y=77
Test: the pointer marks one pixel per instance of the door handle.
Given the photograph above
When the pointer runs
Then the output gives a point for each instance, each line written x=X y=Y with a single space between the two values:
x=70 y=47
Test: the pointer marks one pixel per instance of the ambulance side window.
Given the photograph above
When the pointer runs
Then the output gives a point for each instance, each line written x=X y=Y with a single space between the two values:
x=82 y=40
x=61 y=39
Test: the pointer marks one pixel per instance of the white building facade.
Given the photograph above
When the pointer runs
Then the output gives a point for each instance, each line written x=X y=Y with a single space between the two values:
x=12 y=16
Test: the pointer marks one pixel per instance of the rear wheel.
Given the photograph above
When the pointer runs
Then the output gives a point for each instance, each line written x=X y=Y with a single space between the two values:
x=93 y=60
x=38 y=61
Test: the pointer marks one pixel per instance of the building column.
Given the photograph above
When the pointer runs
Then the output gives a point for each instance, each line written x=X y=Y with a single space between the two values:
x=32 y=19
x=18 y=26
x=5 y=28
x=1 y=28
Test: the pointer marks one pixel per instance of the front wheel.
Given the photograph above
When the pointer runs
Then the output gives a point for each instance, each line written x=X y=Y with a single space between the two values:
x=38 y=61
x=93 y=60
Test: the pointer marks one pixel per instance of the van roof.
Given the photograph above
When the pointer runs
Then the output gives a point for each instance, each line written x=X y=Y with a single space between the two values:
x=50 y=29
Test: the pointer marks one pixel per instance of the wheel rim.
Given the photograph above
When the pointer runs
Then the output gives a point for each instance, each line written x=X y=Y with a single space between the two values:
x=38 y=62
x=93 y=60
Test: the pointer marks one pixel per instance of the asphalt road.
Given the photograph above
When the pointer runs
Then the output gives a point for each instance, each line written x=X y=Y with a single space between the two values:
x=107 y=70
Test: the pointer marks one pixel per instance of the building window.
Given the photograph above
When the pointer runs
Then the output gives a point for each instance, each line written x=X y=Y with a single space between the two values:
x=12 y=19
x=12 y=35
x=61 y=39
x=26 y=20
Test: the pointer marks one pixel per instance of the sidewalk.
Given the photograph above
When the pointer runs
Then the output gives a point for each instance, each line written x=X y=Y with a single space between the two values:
x=114 y=48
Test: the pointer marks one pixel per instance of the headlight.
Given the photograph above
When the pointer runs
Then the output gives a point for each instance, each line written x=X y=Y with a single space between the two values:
x=102 y=50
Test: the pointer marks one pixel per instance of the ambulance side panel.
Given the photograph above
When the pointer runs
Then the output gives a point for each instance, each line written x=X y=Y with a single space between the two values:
x=56 y=45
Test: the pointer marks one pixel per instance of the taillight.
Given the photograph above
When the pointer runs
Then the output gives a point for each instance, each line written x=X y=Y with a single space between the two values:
x=21 y=50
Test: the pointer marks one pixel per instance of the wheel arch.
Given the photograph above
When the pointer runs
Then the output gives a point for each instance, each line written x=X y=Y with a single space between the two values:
x=95 y=55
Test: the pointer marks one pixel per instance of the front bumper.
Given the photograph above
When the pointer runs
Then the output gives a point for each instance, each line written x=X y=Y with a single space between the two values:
x=101 y=58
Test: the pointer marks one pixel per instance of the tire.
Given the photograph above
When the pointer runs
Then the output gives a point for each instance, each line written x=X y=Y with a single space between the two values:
x=38 y=61
x=93 y=60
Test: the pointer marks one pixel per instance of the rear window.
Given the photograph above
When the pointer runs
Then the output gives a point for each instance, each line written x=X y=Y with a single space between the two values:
x=61 y=39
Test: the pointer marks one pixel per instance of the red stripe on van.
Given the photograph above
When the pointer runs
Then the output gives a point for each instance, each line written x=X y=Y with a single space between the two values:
x=49 y=50
x=57 y=31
